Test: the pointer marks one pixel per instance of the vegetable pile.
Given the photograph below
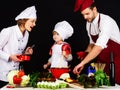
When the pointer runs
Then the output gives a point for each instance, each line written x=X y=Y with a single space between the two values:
x=97 y=79
x=101 y=78
x=18 y=77
x=46 y=80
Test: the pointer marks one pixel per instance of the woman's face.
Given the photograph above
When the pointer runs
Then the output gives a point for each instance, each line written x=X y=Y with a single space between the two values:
x=56 y=37
x=30 y=23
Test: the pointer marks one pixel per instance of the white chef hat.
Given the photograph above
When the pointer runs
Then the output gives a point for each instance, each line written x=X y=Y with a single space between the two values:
x=64 y=29
x=29 y=12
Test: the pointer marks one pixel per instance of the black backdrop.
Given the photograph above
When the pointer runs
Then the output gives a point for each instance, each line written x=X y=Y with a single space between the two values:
x=50 y=12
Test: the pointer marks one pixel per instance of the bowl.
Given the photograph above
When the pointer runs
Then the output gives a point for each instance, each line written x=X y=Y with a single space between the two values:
x=57 y=72
x=24 y=57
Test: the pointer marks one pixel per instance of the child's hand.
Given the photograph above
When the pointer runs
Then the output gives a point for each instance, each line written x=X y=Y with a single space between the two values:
x=64 y=54
x=45 y=66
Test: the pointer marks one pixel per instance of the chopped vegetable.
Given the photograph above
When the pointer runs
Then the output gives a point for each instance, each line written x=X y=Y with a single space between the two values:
x=9 y=86
x=69 y=80
x=51 y=85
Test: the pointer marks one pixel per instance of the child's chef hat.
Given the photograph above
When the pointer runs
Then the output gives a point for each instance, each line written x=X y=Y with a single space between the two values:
x=29 y=12
x=64 y=29
x=82 y=4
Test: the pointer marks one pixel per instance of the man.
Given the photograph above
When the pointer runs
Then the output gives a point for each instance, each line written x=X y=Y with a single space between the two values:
x=104 y=37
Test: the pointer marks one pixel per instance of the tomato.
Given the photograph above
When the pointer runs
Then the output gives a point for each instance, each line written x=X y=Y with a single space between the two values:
x=21 y=73
x=81 y=54
x=17 y=79
x=9 y=86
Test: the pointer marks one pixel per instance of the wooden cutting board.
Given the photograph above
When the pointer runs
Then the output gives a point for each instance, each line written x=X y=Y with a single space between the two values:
x=75 y=85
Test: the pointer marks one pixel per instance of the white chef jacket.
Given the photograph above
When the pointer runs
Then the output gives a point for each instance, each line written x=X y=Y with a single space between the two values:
x=12 y=41
x=57 y=59
x=108 y=29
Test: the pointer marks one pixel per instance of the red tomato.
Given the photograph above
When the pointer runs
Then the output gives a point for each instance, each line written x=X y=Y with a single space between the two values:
x=9 y=86
x=17 y=79
x=82 y=54
x=21 y=73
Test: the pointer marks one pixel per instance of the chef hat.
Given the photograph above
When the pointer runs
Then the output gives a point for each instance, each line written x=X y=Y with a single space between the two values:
x=29 y=12
x=82 y=4
x=64 y=29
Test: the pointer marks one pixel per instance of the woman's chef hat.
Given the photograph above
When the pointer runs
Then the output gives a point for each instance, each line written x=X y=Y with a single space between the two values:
x=64 y=29
x=29 y=12
x=82 y=4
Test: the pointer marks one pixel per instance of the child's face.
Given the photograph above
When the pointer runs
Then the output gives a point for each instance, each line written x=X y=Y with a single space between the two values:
x=56 y=37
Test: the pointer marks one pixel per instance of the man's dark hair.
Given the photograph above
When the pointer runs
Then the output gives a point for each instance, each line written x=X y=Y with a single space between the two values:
x=93 y=5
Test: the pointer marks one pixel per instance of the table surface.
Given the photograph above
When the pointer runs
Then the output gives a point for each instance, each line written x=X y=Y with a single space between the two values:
x=116 y=87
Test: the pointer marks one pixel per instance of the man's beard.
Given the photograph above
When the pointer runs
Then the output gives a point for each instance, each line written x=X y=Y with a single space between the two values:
x=90 y=21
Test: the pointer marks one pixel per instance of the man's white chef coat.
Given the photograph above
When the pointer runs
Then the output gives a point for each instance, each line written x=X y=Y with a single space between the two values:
x=108 y=29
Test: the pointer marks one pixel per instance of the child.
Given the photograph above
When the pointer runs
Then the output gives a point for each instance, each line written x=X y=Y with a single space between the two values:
x=60 y=51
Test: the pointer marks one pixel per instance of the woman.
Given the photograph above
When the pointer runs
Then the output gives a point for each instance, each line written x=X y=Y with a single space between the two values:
x=13 y=41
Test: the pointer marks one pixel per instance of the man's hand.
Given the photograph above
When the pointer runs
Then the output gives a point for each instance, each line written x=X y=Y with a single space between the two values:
x=78 y=69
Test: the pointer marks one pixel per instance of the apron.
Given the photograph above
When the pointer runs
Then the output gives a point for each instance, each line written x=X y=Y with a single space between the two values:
x=104 y=56
x=57 y=70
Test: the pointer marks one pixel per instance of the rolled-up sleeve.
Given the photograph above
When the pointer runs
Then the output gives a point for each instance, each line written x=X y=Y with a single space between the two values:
x=104 y=35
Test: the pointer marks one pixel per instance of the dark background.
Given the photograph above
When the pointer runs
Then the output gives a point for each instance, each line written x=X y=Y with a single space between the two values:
x=49 y=12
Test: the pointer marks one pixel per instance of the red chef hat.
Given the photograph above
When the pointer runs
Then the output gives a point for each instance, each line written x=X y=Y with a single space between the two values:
x=82 y=4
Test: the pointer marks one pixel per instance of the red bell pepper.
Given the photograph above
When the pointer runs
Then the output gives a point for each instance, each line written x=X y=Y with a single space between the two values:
x=17 y=79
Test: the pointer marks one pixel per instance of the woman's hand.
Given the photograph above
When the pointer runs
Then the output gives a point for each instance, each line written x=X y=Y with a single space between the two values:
x=14 y=58
x=29 y=51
